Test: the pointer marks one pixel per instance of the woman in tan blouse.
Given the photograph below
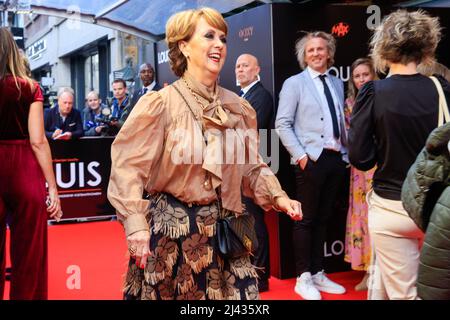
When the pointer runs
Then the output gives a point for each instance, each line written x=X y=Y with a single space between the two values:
x=191 y=177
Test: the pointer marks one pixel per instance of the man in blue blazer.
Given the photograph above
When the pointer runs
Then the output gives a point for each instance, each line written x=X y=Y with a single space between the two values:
x=310 y=123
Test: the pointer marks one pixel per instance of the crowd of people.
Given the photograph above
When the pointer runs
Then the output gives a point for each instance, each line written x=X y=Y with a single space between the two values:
x=64 y=122
x=171 y=219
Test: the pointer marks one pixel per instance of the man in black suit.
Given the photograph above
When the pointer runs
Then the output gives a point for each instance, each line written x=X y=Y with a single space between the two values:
x=63 y=121
x=147 y=75
x=247 y=74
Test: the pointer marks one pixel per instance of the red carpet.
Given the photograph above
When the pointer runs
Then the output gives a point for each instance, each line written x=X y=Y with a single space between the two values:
x=88 y=261
x=284 y=289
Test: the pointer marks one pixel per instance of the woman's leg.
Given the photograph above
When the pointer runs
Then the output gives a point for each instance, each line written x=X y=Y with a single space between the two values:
x=397 y=242
x=2 y=247
x=28 y=227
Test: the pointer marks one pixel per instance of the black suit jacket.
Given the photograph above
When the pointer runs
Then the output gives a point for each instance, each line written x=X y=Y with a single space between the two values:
x=261 y=100
x=137 y=94
x=53 y=121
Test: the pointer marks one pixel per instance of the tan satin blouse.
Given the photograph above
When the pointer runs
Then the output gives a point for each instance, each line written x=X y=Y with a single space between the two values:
x=161 y=148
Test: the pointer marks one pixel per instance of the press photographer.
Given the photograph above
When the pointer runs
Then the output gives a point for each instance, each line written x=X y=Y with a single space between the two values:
x=95 y=122
x=120 y=106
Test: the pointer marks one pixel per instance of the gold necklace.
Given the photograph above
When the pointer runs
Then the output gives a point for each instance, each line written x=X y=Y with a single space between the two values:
x=207 y=182
x=193 y=94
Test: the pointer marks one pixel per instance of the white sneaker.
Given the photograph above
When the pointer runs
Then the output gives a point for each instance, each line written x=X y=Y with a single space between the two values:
x=322 y=283
x=305 y=287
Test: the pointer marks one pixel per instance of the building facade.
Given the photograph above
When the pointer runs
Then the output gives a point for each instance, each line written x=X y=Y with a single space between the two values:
x=65 y=52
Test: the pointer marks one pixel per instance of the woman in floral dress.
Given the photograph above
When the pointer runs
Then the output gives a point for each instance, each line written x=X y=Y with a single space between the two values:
x=357 y=242
x=171 y=147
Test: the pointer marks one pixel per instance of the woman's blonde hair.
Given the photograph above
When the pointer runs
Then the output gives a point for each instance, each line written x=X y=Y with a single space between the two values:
x=181 y=27
x=404 y=37
x=11 y=60
x=93 y=92
x=300 y=46
x=352 y=91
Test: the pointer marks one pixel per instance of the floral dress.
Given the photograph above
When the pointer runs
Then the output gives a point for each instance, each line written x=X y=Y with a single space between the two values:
x=182 y=212
x=185 y=264
x=357 y=242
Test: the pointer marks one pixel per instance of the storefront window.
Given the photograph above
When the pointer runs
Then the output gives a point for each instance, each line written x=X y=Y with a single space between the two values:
x=91 y=74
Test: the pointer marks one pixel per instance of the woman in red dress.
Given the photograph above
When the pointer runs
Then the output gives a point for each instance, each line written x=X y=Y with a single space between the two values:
x=25 y=166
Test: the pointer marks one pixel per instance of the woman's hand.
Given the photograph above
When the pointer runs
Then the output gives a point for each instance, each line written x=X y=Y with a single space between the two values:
x=138 y=245
x=54 y=205
x=292 y=208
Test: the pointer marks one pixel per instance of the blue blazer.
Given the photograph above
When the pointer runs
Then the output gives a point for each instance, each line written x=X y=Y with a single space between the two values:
x=299 y=121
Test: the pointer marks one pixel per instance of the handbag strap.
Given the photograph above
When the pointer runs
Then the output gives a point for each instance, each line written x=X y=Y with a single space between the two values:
x=444 y=115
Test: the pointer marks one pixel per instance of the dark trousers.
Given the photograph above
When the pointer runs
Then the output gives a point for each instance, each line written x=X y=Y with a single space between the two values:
x=22 y=198
x=260 y=258
x=317 y=188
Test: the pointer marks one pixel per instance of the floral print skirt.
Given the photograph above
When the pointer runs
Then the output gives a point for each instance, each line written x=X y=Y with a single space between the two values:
x=357 y=240
x=185 y=264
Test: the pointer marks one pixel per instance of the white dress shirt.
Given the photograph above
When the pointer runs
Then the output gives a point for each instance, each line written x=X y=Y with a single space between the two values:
x=330 y=142
x=247 y=88
x=150 y=86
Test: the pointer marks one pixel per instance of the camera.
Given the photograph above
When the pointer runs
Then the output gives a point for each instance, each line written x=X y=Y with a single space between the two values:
x=105 y=119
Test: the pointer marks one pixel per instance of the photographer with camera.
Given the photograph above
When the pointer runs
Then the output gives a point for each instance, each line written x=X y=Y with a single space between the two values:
x=120 y=106
x=93 y=116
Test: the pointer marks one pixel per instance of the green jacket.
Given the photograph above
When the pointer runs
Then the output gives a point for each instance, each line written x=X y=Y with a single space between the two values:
x=426 y=198
x=122 y=115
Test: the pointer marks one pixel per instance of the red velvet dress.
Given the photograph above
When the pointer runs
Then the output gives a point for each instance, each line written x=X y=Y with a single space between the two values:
x=22 y=194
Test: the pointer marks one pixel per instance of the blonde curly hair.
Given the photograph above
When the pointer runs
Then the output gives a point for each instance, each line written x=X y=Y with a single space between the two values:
x=181 y=27
x=404 y=37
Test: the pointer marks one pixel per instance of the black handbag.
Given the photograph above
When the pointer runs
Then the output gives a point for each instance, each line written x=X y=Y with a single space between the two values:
x=236 y=235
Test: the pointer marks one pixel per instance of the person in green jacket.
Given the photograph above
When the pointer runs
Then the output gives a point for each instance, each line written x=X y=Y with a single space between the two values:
x=426 y=198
